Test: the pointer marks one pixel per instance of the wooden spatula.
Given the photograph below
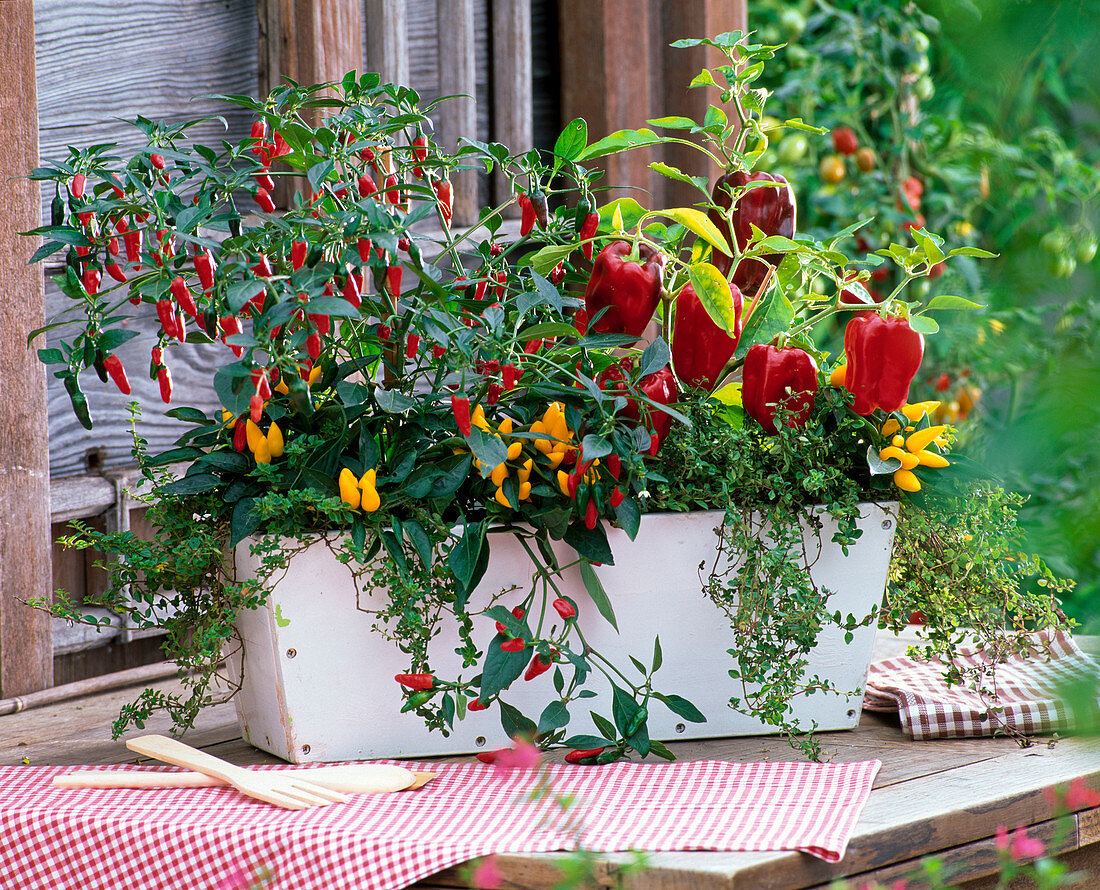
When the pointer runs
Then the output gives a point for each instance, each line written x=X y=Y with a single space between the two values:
x=354 y=778
x=271 y=786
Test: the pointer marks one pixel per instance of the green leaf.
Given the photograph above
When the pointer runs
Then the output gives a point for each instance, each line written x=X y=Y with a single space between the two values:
x=699 y=182
x=714 y=293
x=972 y=251
x=501 y=668
x=573 y=139
x=604 y=725
x=586 y=742
x=770 y=317
x=544 y=261
x=487 y=448
x=393 y=402
x=47 y=249
x=629 y=517
x=194 y=484
x=595 y=447
x=660 y=750
x=683 y=707
x=514 y=723
x=672 y=123
x=51 y=357
x=589 y=543
x=547 y=329
x=655 y=357
x=414 y=531
x=454 y=474
x=658 y=656
x=554 y=716
x=244 y=521
x=464 y=555
x=699 y=223
x=546 y=291
x=595 y=590
x=945 y=301
x=878 y=466
x=226 y=461
x=174 y=456
x=616 y=142
x=922 y=324
x=318 y=173
x=240 y=292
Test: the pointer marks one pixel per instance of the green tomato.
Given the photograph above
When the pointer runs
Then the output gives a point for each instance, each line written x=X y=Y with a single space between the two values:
x=793 y=148
x=924 y=89
x=1061 y=265
x=1086 y=249
x=797 y=55
x=792 y=21
x=920 y=41
x=1056 y=241
x=919 y=65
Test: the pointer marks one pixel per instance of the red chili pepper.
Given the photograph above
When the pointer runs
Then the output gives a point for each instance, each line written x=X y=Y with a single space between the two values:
x=322 y=322
x=313 y=346
x=700 y=348
x=536 y=667
x=298 y=251
x=518 y=612
x=627 y=289
x=231 y=325
x=495 y=391
x=511 y=375
x=403 y=244
x=91 y=279
x=773 y=377
x=113 y=364
x=460 y=407
x=364 y=245
x=514 y=645
x=166 y=312
x=367 y=186
x=557 y=274
x=240 y=435
x=445 y=197
x=281 y=146
x=264 y=180
x=384 y=332
x=575 y=757
x=264 y=199
x=588 y=231
x=476 y=705
x=205 y=268
x=393 y=280
x=116 y=272
x=260 y=383
x=420 y=149
x=157 y=355
x=164 y=378
x=412 y=345
x=256 y=408
x=351 y=293
x=564 y=608
x=132 y=239
x=943 y=382
x=178 y=289
x=527 y=218
x=490 y=757
x=393 y=193
x=263 y=267
x=76 y=187
x=157 y=161
x=883 y=356
x=501 y=278
x=181 y=327
x=617 y=497
x=591 y=514
x=438 y=351
x=418 y=682
x=770 y=209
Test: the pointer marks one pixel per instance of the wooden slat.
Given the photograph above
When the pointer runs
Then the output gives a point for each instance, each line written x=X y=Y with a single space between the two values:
x=677 y=67
x=26 y=659
x=458 y=77
x=513 y=123
x=388 y=39
x=605 y=59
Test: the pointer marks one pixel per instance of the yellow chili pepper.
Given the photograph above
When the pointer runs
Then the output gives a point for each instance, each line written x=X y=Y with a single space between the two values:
x=563 y=482
x=371 y=500
x=263 y=452
x=281 y=388
x=838 y=375
x=542 y=444
x=556 y=457
x=477 y=418
x=314 y=374
x=525 y=491
x=524 y=472
x=890 y=427
x=908 y=461
x=505 y=426
x=931 y=459
x=502 y=499
x=227 y=417
x=499 y=474
x=923 y=438
x=253 y=436
x=515 y=450
x=917 y=410
x=275 y=440
x=898 y=441
x=349 y=489
x=906 y=481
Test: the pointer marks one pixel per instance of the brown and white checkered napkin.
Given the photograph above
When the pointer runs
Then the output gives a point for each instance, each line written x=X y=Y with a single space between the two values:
x=1030 y=691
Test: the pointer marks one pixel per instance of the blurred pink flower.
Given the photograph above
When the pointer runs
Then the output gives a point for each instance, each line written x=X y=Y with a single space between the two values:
x=1024 y=847
x=1079 y=797
x=238 y=879
x=522 y=755
x=486 y=875
x=1001 y=837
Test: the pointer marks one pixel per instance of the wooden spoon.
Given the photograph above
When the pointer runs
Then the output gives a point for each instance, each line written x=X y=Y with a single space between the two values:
x=353 y=778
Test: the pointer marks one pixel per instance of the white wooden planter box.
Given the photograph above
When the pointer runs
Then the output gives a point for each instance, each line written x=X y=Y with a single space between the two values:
x=318 y=683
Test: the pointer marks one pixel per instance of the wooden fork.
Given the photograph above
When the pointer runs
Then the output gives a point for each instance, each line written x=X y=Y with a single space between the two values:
x=282 y=789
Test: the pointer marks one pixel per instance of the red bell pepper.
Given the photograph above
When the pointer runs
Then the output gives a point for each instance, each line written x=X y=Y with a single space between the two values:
x=772 y=377
x=770 y=209
x=659 y=387
x=628 y=289
x=883 y=357
x=700 y=348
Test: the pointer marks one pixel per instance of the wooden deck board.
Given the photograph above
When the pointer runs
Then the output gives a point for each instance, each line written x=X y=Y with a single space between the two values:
x=945 y=797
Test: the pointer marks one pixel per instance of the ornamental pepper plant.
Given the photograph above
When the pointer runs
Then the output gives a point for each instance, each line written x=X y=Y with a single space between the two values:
x=421 y=387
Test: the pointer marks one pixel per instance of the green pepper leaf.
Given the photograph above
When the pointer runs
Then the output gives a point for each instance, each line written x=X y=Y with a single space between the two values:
x=501 y=668
x=713 y=292
x=699 y=223
x=595 y=590
x=573 y=139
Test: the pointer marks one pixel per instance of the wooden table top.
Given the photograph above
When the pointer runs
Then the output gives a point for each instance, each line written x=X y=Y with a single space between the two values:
x=945 y=797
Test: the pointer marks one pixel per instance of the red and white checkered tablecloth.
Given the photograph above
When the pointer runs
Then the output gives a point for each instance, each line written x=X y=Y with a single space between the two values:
x=185 y=839
x=1030 y=691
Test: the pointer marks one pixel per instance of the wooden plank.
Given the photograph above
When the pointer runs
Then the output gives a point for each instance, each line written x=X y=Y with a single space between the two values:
x=677 y=67
x=605 y=59
x=387 y=39
x=458 y=77
x=26 y=659
x=512 y=123
x=100 y=64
